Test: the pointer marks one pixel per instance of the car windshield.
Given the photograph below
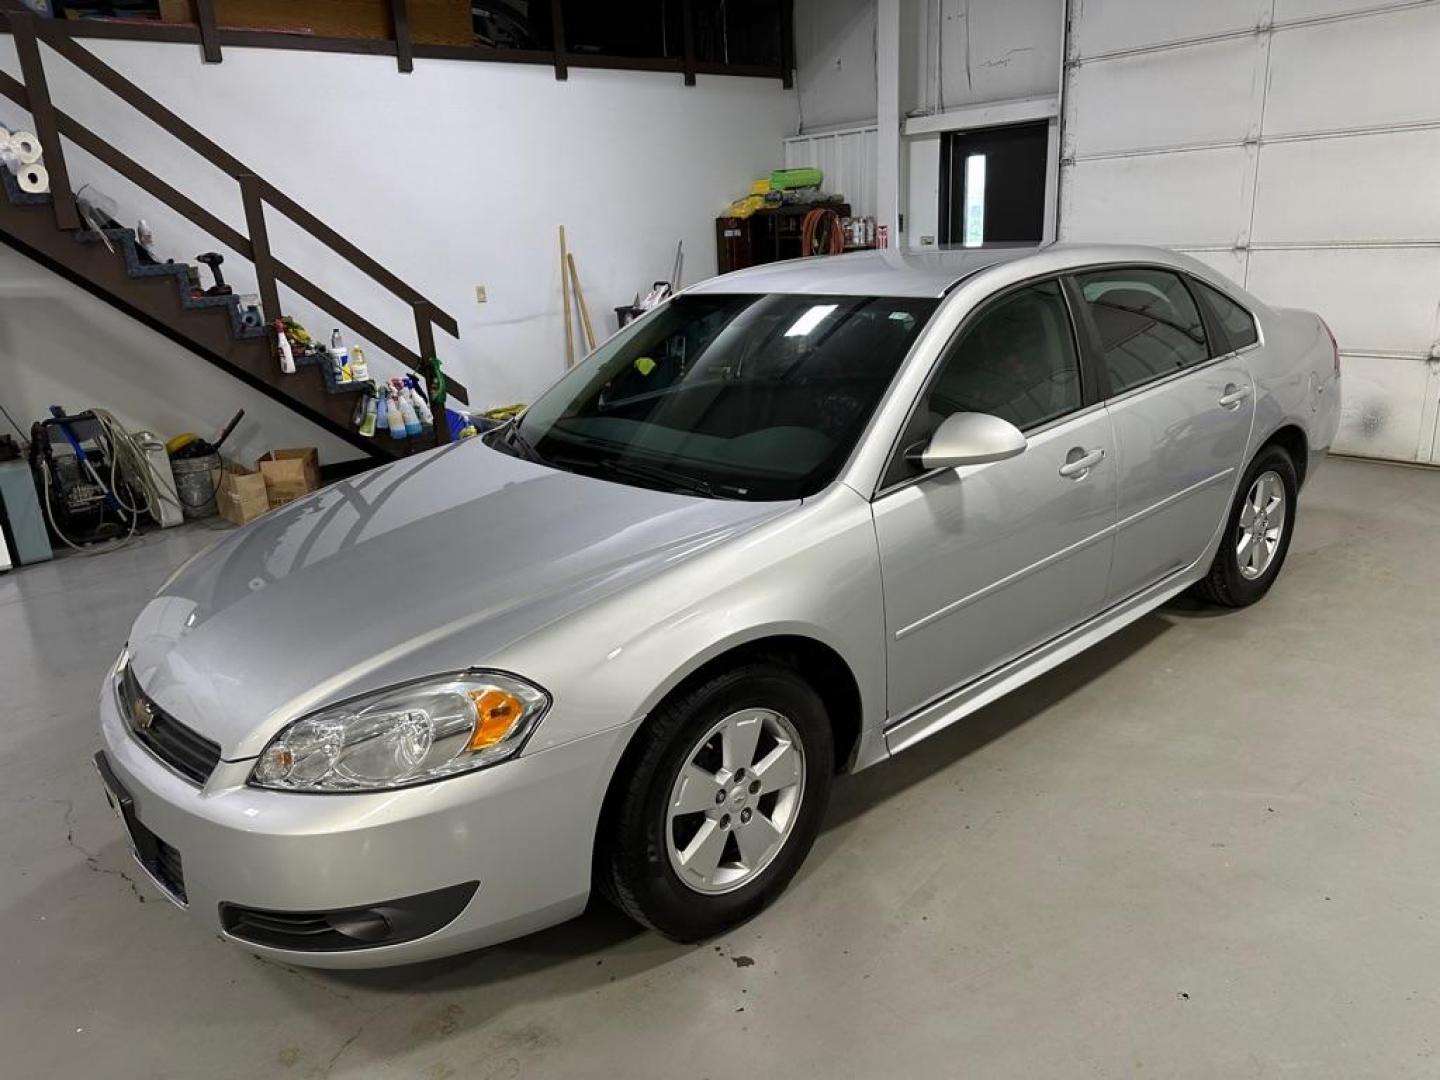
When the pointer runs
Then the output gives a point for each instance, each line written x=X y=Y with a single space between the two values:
x=727 y=396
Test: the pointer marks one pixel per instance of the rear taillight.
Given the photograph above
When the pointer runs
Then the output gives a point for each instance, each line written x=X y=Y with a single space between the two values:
x=1334 y=345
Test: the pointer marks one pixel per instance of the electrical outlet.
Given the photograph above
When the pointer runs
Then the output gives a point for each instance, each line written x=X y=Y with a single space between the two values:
x=480 y=296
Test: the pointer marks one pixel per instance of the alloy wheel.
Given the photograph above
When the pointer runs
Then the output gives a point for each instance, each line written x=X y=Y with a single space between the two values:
x=735 y=801
x=1262 y=524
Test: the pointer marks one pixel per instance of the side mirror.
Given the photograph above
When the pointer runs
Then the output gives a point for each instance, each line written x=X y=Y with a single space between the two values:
x=969 y=438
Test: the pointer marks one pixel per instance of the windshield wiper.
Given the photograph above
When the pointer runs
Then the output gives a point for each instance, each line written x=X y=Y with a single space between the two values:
x=519 y=444
x=654 y=475
x=658 y=474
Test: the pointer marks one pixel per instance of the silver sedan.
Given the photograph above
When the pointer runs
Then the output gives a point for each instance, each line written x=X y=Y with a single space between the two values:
x=792 y=522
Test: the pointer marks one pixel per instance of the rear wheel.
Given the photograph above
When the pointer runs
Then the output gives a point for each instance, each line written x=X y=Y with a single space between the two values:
x=718 y=803
x=1257 y=532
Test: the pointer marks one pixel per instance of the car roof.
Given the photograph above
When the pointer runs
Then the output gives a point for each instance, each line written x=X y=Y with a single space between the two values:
x=916 y=273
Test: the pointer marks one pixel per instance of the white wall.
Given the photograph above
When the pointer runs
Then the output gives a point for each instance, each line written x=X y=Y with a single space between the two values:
x=835 y=62
x=954 y=55
x=977 y=52
x=452 y=177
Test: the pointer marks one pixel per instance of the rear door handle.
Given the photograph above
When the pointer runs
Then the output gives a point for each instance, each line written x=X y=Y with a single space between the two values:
x=1233 y=396
x=1080 y=461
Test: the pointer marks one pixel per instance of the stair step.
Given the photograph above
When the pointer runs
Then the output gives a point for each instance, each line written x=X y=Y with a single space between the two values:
x=18 y=197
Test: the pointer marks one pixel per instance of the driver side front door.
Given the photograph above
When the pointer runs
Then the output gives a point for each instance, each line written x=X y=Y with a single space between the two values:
x=983 y=563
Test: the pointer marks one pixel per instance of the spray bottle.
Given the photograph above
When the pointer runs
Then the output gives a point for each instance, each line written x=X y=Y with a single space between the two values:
x=359 y=369
x=283 y=351
x=417 y=399
x=397 y=418
x=339 y=358
x=367 y=422
x=382 y=409
x=407 y=410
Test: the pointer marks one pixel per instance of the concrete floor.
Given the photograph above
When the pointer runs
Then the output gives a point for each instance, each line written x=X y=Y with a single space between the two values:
x=1207 y=847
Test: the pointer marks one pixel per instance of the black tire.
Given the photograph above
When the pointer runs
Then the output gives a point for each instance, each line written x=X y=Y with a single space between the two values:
x=633 y=866
x=1225 y=584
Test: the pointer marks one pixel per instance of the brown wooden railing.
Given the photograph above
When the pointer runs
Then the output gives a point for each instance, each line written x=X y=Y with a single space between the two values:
x=210 y=36
x=256 y=193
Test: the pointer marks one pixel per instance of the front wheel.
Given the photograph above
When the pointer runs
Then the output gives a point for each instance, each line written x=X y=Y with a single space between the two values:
x=718 y=802
x=1257 y=532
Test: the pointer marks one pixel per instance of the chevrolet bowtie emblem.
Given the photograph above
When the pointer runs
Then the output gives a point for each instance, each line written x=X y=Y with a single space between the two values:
x=142 y=716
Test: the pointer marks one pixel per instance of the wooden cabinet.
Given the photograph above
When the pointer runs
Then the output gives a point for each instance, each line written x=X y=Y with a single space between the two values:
x=766 y=236
x=432 y=22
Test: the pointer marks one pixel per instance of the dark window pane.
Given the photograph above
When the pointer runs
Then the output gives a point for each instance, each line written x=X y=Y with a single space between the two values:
x=737 y=31
x=1148 y=323
x=1239 y=326
x=628 y=28
x=1017 y=362
x=759 y=397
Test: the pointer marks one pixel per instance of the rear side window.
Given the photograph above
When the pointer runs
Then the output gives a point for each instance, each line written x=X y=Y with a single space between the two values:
x=1147 y=321
x=1239 y=326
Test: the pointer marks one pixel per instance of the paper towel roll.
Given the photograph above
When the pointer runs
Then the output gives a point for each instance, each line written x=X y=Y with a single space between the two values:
x=34 y=179
x=26 y=147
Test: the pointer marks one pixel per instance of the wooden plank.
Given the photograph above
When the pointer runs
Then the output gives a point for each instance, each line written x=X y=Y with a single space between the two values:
x=787 y=43
x=42 y=113
x=580 y=303
x=687 y=15
x=565 y=301
x=250 y=195
x=557 y=30
x=425 y=331
x=400 y=20
x=209 y=39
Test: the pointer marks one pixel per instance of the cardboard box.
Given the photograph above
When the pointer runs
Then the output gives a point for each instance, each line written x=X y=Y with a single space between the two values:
x=240 y=495
x=432 y=22
x=290 y=474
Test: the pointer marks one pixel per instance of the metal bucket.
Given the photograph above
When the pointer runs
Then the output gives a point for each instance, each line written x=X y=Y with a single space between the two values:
x=195 y=485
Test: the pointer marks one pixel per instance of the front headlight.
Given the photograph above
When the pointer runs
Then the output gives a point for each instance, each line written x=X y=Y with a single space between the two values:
x=407 y=735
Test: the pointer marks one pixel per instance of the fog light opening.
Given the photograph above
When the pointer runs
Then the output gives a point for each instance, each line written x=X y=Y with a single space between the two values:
x=367 y=926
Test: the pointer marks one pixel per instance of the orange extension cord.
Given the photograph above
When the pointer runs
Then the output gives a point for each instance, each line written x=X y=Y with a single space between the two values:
x=821 y=224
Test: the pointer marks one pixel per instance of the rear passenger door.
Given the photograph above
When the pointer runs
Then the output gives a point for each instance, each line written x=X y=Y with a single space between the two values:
x=1181 y=402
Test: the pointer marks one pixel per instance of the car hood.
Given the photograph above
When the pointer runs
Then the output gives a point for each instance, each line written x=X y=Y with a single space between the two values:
x=428 y=565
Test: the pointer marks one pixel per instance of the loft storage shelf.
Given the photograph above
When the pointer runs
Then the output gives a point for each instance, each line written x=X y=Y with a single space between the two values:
x=685 y=37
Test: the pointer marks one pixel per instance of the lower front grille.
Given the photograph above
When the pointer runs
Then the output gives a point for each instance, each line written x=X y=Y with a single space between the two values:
x=187 y=752
x=160 y=859
x=387 y=923
x=168 y=869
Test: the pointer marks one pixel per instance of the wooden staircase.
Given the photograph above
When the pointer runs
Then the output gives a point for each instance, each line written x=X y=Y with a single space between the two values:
x=47 y=228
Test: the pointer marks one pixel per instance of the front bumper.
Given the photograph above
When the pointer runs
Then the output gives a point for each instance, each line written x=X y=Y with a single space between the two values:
x=524 y=830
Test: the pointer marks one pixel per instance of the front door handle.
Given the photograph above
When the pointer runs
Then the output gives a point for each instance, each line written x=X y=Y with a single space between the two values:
x=1233 y=396
x=1079 y=462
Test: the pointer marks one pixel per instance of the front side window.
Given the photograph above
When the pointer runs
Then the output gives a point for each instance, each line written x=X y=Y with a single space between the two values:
x=1239 y=327
x=732 y=396
x=1017 y=361
x=1147 y=321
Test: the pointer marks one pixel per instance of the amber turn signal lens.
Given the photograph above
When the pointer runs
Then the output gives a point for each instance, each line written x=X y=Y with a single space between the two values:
x=496 y=712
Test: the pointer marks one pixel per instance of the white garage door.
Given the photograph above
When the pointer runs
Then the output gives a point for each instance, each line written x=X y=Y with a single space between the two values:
x=1295 y=146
